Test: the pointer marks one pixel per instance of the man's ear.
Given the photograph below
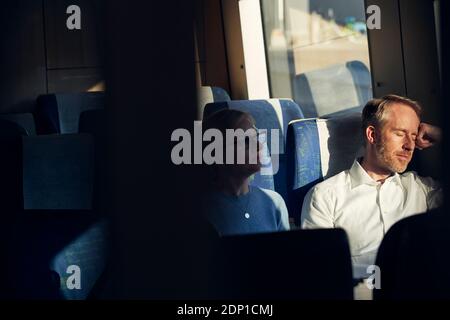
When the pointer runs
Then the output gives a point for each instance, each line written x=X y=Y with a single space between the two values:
x=371 y=134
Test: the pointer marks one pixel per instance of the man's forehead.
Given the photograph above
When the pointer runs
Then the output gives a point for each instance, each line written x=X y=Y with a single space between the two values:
x=400 y=108
x=401 y=113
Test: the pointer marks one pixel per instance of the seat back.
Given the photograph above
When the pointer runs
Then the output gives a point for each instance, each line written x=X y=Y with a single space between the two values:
x=60 y=112
x=207 y=95
x=300 y=264
x=58 y=172
x=25 y=120
x=335 y=90
x=413 y=258
x=268 y=114
x=319 y=149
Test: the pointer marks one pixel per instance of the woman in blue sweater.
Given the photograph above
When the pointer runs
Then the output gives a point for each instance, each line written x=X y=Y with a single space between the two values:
x=231 y=204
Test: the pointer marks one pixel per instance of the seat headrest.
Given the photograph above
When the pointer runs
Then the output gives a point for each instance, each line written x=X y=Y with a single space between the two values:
x=10 y=129
x=268 y=114
x=207 y=95
x=60 y=113
x=25 y=120
x=339 y=88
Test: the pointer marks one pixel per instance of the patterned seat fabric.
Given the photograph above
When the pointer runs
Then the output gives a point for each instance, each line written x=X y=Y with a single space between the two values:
x=319 y=149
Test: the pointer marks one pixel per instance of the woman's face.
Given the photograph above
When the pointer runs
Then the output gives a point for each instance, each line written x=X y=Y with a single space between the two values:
x=251 y=147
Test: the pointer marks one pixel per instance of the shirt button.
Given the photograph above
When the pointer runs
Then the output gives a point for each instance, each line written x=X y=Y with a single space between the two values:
x=247 y=215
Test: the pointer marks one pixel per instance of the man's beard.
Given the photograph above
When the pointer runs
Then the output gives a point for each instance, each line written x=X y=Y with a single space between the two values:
x=387 y=160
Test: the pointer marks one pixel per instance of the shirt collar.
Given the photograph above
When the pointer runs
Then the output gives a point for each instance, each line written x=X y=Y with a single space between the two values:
x=359 y=176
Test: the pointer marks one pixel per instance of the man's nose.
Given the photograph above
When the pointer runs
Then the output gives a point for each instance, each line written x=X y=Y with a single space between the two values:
x=409 y=143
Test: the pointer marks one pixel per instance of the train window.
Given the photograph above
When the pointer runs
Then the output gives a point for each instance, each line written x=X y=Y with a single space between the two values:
x=317 y=50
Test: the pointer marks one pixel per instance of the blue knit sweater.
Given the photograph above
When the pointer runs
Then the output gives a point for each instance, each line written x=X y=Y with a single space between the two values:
x=259 y=210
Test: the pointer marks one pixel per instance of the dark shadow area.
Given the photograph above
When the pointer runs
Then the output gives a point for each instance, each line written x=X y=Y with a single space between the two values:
x=302 y=264
x=160 y=242
x=43 y=244
x=413 y=256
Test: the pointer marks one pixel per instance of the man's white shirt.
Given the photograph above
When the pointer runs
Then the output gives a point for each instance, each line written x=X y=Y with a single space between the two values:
x=366 y=209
